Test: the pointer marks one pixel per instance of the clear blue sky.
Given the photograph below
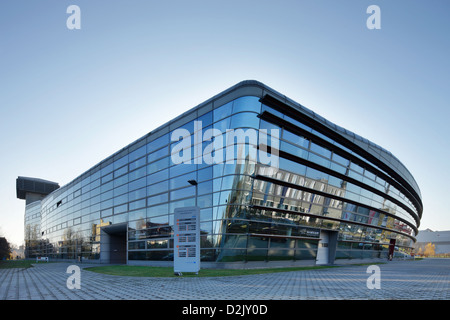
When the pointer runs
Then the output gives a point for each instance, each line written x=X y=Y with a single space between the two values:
x=70 y=98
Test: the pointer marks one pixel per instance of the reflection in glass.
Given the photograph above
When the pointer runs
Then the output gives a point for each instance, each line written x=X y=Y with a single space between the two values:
x=275 y=218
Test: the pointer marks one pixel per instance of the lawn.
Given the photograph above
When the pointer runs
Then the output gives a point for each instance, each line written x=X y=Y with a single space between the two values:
x=7 y=264
x=142 y=271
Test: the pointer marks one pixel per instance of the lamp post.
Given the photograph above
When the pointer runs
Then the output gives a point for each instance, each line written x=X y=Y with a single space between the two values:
x=194 y=183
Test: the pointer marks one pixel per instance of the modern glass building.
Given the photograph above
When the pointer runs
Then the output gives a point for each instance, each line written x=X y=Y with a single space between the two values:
x=325 y=194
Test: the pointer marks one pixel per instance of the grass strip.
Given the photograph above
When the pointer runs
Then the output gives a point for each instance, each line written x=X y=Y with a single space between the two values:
x=143 y=271
x=8 y=264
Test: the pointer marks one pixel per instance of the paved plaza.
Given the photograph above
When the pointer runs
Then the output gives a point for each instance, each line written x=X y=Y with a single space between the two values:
x=427 y=279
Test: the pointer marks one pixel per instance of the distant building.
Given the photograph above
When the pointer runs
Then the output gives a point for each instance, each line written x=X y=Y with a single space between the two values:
x=441 y=240
x=18 y=253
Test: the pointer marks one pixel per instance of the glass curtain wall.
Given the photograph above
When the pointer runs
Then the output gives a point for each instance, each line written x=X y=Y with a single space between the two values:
x=249 y=211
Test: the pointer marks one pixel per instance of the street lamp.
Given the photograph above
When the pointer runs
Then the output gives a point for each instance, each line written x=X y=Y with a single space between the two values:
x=194 y=183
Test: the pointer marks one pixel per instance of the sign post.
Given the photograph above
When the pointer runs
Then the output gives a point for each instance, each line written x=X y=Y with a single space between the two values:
x=186 y=256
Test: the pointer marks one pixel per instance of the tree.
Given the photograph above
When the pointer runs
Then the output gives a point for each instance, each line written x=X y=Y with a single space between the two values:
x=429 y=250
x=420 y=251
x=5 y=249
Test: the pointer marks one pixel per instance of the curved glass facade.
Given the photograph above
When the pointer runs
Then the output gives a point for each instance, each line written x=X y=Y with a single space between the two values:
x=322 y=188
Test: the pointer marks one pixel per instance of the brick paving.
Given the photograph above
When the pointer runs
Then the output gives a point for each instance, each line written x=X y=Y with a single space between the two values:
x=427 y=279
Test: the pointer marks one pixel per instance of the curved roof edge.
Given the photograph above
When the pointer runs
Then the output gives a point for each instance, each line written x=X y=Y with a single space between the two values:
x=257 y=88
x=372 y=148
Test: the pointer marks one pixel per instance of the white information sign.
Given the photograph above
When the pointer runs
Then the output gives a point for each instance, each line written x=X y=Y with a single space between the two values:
x=186 y=240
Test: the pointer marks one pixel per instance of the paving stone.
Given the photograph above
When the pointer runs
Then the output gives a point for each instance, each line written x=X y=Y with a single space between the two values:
x=427 y=279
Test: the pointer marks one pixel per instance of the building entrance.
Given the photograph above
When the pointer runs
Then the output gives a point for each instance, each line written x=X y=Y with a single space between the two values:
x=113 y=244
x=326 y=251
